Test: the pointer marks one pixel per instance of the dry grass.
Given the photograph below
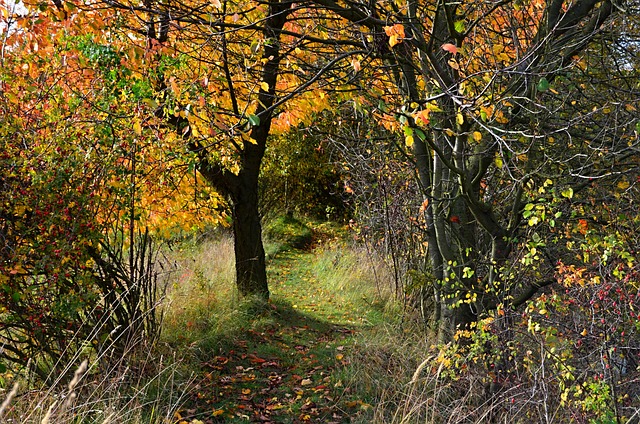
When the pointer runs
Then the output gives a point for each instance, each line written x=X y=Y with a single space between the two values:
x=135 y=390
x=202 y=301
x=130 y=382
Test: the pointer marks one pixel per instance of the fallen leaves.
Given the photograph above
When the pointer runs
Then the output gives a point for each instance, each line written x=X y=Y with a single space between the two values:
x=282 y=371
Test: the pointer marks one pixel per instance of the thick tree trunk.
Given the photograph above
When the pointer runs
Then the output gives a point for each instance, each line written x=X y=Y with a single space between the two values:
x=251 y=274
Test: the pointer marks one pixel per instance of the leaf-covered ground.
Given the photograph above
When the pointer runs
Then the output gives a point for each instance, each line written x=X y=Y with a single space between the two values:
x=285 y=366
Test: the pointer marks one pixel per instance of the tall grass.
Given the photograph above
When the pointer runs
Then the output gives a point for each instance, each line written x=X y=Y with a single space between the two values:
x=390 y=343
x=119 y=373
x=356 y=275
x=203 y=305
x=152 y=392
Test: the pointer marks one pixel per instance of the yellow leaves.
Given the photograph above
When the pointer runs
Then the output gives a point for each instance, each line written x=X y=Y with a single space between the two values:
x=137 y=126
x=623 y=184
x=264 y=86
x=233 y=18
x=499 y=53
x=395 y=33
x=433 y=107
x=498 y=160
x=20 y=210
x=409 y=140
x=410 y=133
x=443 y=358
x=477 y=136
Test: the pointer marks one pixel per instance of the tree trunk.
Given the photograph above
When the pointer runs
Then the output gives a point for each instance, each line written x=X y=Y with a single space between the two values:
x=251 y=274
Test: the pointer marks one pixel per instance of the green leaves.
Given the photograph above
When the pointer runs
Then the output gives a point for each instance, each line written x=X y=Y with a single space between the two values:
x=254 y=120
x=543 y=84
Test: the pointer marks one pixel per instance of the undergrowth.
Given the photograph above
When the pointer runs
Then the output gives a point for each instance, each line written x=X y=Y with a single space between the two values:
x=332 y=345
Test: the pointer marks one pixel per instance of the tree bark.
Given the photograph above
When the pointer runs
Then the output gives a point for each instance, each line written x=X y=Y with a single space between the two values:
x=251 y=274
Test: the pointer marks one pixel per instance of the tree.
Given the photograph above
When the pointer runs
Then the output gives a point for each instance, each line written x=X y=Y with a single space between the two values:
x=68 y=202
x=217 y=68
x=494 y=99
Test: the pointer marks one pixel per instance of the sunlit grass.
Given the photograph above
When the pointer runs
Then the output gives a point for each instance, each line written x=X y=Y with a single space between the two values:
x=333 y=322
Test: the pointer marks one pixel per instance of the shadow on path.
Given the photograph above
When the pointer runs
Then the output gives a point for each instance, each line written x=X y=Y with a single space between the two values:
x=283 y=368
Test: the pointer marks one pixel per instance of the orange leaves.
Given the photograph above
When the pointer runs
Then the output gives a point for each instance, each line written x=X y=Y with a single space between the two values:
x=422 y=116
x=583 y=226
x=571 y=275
x=395 y=33
x=173 y=83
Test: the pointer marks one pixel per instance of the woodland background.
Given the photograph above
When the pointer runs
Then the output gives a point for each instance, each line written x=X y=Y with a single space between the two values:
x=320 y=211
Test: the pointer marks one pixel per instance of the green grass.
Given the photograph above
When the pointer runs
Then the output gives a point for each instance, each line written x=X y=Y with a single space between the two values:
x=286 y=232
x=303 y=357
x=329 y=346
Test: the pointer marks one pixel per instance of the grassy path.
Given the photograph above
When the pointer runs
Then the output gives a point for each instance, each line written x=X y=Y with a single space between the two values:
x=284 y=366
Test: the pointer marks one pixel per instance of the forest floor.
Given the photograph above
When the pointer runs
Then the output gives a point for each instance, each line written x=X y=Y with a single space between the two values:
x=290 y=360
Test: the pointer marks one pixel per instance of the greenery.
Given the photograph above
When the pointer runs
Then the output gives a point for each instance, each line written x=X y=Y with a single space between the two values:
x=320 y=211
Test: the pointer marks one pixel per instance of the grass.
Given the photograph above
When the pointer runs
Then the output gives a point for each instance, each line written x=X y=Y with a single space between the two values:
x=303 y=357
x=331 y=346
